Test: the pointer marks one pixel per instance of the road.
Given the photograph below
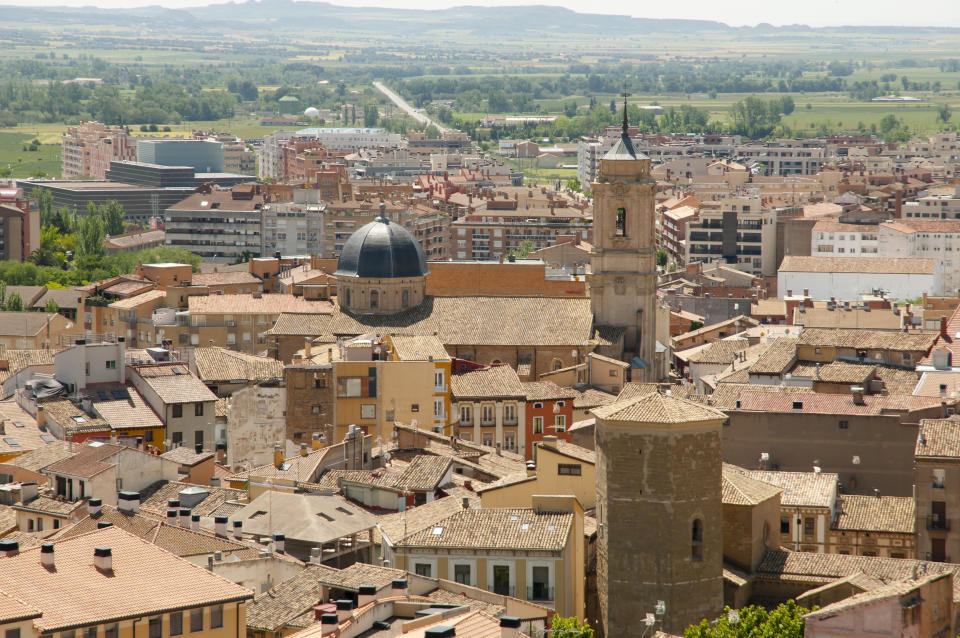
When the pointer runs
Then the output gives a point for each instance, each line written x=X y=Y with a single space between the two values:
x=412 y=112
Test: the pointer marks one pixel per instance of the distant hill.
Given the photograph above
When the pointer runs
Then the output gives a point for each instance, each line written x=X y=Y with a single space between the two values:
x=319 y=16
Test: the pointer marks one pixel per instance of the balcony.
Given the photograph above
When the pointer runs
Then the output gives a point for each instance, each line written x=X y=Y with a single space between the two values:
x=539 y=592
x=488 y=424
x=501 y=590
x=938 y=522
x=937 y=485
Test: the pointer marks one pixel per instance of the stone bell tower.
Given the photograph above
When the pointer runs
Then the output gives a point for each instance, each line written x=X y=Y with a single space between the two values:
x=623 y=284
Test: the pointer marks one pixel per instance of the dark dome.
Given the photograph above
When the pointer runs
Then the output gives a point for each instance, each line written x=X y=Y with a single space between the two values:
x=382 y=249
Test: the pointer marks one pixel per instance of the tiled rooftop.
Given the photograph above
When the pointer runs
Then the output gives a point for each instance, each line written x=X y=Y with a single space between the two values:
x=876 y=513
x=493 y=529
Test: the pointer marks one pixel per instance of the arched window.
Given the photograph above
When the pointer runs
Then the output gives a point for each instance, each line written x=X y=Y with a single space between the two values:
x=621 y=228
x=557 y=364
x=405 y=299
x=696 y=546
x=374 y=298
x=495 y=362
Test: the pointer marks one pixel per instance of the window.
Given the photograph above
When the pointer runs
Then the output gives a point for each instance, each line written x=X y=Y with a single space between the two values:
x=486 y=414
x=696 y=546
x=198 y=438
x=177 y=439
x=784 y=525
x=405 y=298
x=568 y=469
x=177 y=410
x=197 y=409
x=111 y=631
x=438 y=379
x=216 y=617
x=196 y=620
x=176 y=623
x=111 y=365
x=510 y=413
x=368 y=411
x=537 y=406
x=314 y=409
x=422 y=569
x=461 y=574
x=438 y=408
x=557 y=364
x=621 y=222
x=561 y=425
x=938 y=478
x=808 y=526
x=466 y=415
x=90 y=632
x=155 y=629
x=414 y=407
x=844 y=425
x=374 y=299
x=538 y=425
x=509 y=441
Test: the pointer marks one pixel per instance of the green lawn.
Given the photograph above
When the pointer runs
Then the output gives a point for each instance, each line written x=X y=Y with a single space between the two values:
x=23 y=163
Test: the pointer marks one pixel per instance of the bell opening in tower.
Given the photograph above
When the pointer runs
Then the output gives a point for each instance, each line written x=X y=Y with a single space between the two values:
x=621 y=228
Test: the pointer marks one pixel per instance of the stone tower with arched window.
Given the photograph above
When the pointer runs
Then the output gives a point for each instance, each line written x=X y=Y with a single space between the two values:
x=623 y=262
x=659 y=513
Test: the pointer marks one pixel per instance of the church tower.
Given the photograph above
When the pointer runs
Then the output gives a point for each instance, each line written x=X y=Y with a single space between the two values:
x=659 y=513
x=623 y=262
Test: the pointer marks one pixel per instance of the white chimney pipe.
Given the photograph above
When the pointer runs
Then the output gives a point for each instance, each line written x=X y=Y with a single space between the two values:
x=220 y=526
x=195 y=522
x=344 y=609
x=46 y=556
x=366 y=595
x=509 y=627
x=238 y=529
x=103 y=559
x=93 y=507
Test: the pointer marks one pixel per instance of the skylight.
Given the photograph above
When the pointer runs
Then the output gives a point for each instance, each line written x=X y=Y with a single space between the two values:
x=437 y=531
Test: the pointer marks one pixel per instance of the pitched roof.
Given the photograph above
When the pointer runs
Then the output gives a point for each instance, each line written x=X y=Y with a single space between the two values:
x=418 y=348
x=492 y=381
x=36 y=460
x=223 y=278
x=304 y=517
x=273 y=609
x=394 y=526
x=938 y=438
x=547 y=390
x=800 y=489
x=185 y=455
x=895 y=589
x=88 y=461
x=151 y=296
x=13 y=610
x=355 y=576
x=591 y=398
x=876 y=513
x=740 y=489
x=530 y=321
x=658 y=408
x=175 y=383
x=859 y=265
x=17 y=360
x=808 y=402
x=516 y=528
x=570 y=450
x=207 y=506
x=294 y=468
x=867 y=339
x=214 y=364
x=424 y=473
x=123 y=407
x=299 y=324
x=144 y=580
x=270 y=304
x=19 y=431
x=720 y=351
x=777 y=358
x=24 y=324
x=633 y=390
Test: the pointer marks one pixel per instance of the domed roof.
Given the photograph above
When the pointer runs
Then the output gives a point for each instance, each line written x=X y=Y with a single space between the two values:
x=312 y=111
x=382 y=249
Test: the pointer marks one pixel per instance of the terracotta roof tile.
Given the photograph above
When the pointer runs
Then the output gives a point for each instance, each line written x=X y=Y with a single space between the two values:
x=144 y=580
x=872 y=265
x=777 y=358
x=876 y=513
x=495 y=529
x=245 y=304
x=13 y=610
x=720 y=351
x=274 y=609
x=175 y=383
x=547 y=390
x=867 y=339
x=215 y=364
x=938 y=438
x=492 y=381
x=395 y=525
x=418 y=348
x=300 y=324
x=741 y=489
x=808 y=402
x=658 y=408
x=810 y=489
x=88 y=461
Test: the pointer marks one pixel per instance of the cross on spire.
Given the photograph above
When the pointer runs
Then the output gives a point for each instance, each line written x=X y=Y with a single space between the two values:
x=624 y=94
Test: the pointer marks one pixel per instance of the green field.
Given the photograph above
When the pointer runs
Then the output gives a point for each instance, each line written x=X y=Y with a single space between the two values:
x=24 y=163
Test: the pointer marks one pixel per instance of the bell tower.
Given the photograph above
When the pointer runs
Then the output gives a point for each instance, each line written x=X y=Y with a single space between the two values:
x=623 y=262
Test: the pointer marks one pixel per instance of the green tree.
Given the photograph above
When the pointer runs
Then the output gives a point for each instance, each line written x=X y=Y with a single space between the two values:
x=44 y=199
x=569 y=628
x=888 y=123
x=52 y=306
x=90 y=236
x=786 y=621
x=15 y=302
x=521 y=251
x=371 y=114
x=661 y=257
x=112 y=213
x=943 y=112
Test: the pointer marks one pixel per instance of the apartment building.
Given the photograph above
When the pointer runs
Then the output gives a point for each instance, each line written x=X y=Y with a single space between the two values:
x=354 y=139
x=847 y=278
x=933 y=207
x=925 y=239
x=430 y=226
x=34 y=330
x=89 y=148
x=673 y=232
x=785 y=157
x=218 y=225
x=503 y=226
x=490 y=402
x=270 y=154
x=548 y=413
x=112 y=583
x=533 y=553
x=19 y=231
x=290 y=228
x=185 y=405
x=831 y=238
x=937 y=474
x=738 y=230
x=203 y=155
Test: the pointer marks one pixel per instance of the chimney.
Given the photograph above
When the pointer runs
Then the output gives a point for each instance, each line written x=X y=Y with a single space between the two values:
x=46 y=556
x=41 y=417
x=943 y=328
x=9 y=549
x=499 y=449
x=366 y=594
x=549 y=441
x=171 y=517
x=279 y=543
x=220 y=526
x=398 y=587
x=198 y=448
x=238 y=529
x=184 y=517
x=329 y=624
x=304 y=450
x=315 y=441
x=315 y=555
x=173 y=503
x=195 y=522
x=93 y=507
x=128 y=502
x=277 y=455
x=307 y=348
x=103 y=559
x=344 y=609
x=440 y=631
x=531 y=468
x=857 y=392
x=509 y=627
x=104 y=524
x=466 y=502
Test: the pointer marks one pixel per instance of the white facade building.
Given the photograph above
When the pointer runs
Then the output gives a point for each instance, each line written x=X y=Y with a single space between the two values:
x=847 y=278
x=930 y=239
x=834 y=239
x=354 y=138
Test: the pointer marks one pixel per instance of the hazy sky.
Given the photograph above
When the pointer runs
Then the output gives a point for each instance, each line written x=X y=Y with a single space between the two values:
x=735 y=12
